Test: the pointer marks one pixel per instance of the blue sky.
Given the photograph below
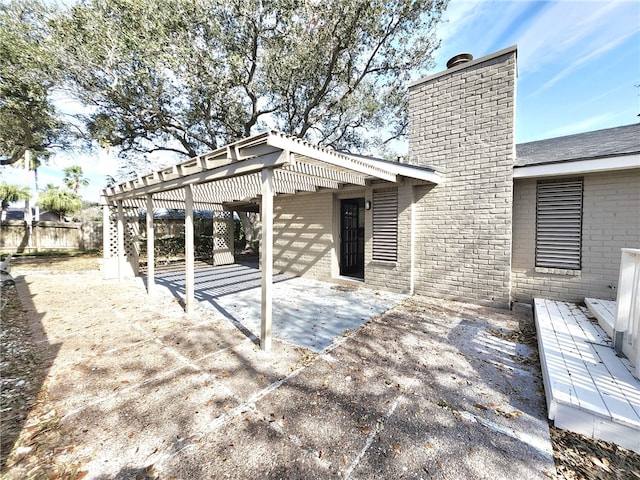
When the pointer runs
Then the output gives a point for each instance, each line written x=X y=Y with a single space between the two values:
x=578 y=70
x=578 y=61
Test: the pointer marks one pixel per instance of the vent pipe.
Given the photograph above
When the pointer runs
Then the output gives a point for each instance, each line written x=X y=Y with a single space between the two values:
x=459 y=59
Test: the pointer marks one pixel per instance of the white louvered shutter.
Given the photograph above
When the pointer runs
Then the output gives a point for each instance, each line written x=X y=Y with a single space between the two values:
x=385 y=225
x=559 y=224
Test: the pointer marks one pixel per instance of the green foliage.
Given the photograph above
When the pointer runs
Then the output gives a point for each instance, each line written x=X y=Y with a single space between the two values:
x=61 y=201
x=172 y=246
x=188 y=76
x=11 y=193
x=29 y=70
x=74 y=178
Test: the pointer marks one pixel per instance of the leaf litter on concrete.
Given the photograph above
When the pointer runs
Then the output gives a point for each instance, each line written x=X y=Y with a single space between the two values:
x=36 y=445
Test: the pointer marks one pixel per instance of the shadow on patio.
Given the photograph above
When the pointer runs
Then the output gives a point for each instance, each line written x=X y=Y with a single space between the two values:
x=306 y=312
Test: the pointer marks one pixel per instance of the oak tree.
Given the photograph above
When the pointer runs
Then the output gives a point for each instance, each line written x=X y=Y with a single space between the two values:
x=189 y=76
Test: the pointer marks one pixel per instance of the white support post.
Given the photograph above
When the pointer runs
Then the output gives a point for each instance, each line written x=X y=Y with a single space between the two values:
x=189 y=252
x=151 y=270
x=412 y=242
x=121 y=252
x=266 y=250
x=106 y=230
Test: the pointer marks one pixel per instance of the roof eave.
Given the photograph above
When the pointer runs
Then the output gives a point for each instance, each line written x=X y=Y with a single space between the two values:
x=578 y=167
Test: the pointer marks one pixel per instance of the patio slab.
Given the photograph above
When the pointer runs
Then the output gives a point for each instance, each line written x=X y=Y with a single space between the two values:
x=309 y=321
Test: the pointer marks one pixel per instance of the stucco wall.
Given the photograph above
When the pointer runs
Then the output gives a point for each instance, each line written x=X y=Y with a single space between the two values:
x=461 y=123
x=611 y=202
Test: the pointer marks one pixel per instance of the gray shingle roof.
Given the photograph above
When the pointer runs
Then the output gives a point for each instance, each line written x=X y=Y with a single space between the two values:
x=582 y=146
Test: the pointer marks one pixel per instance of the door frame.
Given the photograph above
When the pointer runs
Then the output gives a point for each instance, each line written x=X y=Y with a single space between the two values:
x=354 y=270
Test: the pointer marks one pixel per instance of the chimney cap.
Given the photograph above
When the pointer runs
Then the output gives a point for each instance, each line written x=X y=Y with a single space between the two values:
x=459 y=59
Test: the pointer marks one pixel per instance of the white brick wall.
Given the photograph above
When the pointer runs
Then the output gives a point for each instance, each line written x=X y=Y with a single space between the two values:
x=610 y=222
x=461 y=123
x=392 y=276
x=305 y=243
x=303 y=240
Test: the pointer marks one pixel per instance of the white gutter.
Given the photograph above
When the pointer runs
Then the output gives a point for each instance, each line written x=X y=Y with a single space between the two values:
x=578 y=167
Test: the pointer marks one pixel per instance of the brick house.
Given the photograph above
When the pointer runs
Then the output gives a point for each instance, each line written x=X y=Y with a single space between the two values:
x=457 y=221
x=488 y=247
x=599 y=174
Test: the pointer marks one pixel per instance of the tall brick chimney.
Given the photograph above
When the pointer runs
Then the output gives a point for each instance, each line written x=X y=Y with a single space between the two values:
x=461 y=122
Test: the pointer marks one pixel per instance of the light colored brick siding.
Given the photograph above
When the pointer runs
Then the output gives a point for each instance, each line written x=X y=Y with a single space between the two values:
x=461 y=123
x=392 y=276
x=303 y=240
x=610 y=222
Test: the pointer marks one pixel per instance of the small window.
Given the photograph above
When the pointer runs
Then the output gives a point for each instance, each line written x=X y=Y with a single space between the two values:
x=385 y=225
x=559 y=224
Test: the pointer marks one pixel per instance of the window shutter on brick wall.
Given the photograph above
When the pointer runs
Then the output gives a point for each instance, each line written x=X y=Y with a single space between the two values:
x=559 y=224
x=385 y=225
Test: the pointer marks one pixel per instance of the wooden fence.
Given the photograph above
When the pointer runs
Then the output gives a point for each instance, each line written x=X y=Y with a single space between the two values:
x=18 y=237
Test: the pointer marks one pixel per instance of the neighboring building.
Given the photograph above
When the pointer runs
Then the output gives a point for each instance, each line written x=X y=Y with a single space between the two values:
x=17 y=214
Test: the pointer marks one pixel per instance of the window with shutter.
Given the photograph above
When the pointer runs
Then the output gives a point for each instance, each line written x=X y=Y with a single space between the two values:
x=385 y=225
x=559 y=224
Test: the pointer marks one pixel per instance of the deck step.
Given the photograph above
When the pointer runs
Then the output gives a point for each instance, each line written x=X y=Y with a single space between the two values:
x=589 y=389
x=604 y=311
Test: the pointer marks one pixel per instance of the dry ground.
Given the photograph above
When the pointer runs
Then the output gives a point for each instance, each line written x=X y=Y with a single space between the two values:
x=41 y=440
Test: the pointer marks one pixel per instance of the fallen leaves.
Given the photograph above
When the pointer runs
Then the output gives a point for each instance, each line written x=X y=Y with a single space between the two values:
x=510 y=414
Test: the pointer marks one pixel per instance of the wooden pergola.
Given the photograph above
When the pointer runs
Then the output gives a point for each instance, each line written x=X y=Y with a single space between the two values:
x=251 y=170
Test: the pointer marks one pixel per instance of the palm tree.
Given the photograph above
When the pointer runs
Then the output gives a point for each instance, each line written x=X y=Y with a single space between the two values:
x=11 y=193
x=35 y=162
x=74 y=179
x=60 y=201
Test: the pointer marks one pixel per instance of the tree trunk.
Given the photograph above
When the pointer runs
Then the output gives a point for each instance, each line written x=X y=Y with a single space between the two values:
x=36 y=193
x=27 y=170
x=251 y=225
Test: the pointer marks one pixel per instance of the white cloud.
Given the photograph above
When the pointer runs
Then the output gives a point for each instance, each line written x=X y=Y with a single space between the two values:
x=583 y=60
x=459 y=17
x=567 y=32
x=592 y=123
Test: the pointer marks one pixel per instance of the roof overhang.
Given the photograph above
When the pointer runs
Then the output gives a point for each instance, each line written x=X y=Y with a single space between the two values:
x=578 y=167
x=232 y=174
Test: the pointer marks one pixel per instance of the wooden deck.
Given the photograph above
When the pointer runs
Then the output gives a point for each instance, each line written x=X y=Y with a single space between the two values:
x=604 y=311
x=589 y=389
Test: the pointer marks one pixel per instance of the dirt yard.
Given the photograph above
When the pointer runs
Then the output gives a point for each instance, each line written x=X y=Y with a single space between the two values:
x=86 y=366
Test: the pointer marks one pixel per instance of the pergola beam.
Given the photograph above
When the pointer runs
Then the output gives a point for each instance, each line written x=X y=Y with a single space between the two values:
x=244 y=167
x=301 y=147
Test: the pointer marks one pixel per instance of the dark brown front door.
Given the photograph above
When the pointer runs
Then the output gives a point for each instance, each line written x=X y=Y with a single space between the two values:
x=352 y=237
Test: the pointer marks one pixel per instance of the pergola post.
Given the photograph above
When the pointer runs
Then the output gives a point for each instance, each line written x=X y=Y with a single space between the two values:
x=189 y=251
x=266 y=251
x=151 y=271
x=120 y=230
x=106 y=232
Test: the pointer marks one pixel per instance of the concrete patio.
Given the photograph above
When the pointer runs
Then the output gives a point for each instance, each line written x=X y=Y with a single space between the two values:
x=311 y=321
